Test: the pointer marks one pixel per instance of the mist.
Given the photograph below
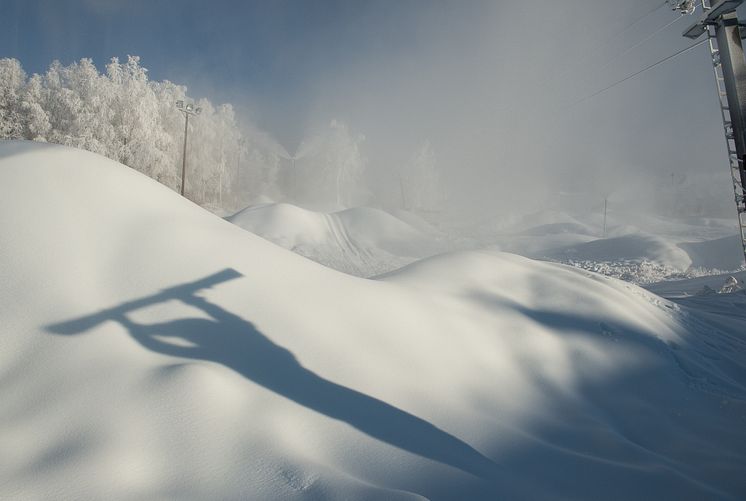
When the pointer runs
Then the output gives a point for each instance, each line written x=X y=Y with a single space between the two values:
x=501 y=94
x=495 y=87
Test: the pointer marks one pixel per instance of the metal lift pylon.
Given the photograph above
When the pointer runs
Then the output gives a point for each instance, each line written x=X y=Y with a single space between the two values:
x=719 y=22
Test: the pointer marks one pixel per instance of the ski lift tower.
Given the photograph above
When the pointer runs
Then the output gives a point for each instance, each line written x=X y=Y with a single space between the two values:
x=720 y=23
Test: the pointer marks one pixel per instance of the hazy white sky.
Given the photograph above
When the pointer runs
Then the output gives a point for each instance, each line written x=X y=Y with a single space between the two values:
x=490 y=85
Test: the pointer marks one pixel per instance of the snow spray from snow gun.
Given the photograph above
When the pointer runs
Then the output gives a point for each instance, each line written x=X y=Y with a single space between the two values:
x=117 y=314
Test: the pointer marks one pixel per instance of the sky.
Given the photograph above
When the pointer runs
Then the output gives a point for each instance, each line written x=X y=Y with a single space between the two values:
x=266 y=54
x=496 y=87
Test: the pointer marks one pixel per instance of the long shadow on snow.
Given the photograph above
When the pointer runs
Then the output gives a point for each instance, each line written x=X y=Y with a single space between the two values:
x=234 y=342
x=622 y=426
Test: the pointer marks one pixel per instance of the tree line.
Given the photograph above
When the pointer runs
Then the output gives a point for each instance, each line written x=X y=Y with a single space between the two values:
x=121 y=114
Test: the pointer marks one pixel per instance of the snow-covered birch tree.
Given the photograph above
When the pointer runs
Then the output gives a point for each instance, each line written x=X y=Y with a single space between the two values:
x=123 y=115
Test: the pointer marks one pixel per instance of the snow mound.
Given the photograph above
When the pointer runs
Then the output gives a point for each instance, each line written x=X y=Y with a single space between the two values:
x=722 y=253
x=629 y=247
x=361 y=241
x=645 y=259
x=651 y=249
x=151 y=350
x=636 y=258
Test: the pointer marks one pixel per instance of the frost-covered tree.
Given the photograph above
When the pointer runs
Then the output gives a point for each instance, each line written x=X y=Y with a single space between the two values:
x=421 y=187
x=345 y=163
x=36 y=125
x=77 y=105
x=172 y=124
x=134 y=114
x=258 y=168
x=331 y=167
x=123 y=115
x=12 y=81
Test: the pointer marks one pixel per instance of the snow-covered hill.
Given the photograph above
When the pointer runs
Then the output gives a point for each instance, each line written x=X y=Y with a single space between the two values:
x=366 y=242
x=643 y=258
x=637 y=248
x=723 y=253
x=362 y=241
x=628 y=247
x=151 y=350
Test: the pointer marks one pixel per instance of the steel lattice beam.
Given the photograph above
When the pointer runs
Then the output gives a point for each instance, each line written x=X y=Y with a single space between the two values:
x=711 y=16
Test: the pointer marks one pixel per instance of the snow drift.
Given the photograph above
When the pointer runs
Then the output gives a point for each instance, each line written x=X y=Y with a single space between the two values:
x=153 y=350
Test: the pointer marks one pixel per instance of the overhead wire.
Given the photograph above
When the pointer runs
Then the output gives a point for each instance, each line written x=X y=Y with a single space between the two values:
x=633 y=47
x=637 y=44
x=629 y=27
x=644 y=16
x=640 y=42
x=649 y=67
x=640 y=19
x=600 y=48
x=626 y=51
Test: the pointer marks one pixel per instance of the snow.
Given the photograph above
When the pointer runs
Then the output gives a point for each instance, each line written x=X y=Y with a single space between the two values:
x=639 y=248
x=675 y=289
x=643 y=259
x=366 y=242
x=721 y=253
x=362 y=241
x=631 y=247
x=150 y=349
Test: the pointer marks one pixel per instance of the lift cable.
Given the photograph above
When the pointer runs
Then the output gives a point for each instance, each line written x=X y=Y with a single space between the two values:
x=600 y=48
x=629 y=27
x=640 y=42
x=637 y=21
x=637 y=44
x=649 y=67
x=641 y=18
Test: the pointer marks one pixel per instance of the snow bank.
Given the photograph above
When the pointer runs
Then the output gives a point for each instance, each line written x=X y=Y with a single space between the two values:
x=151 y=350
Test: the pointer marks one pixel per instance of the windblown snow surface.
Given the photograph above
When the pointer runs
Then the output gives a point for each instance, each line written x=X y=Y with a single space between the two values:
x=151 y=350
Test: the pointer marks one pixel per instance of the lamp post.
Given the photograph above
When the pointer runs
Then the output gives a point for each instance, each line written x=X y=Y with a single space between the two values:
x=187 y=110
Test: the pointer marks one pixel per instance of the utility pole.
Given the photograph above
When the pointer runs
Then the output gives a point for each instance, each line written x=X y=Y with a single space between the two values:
x=719 y=22
x=187 y=110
